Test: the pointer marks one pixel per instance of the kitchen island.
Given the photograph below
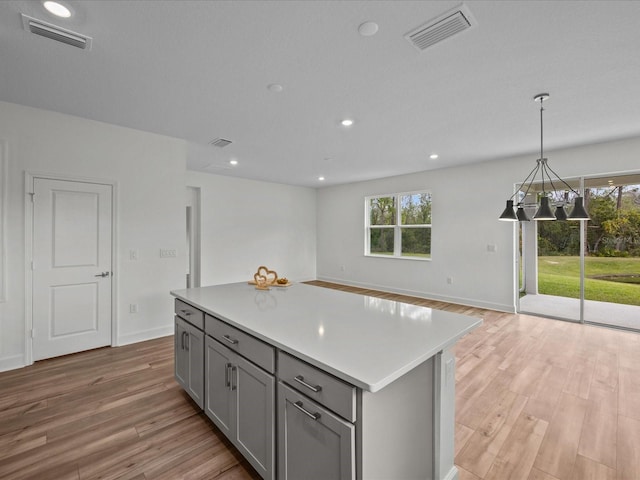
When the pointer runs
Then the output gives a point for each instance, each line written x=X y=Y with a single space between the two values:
x=311 y=382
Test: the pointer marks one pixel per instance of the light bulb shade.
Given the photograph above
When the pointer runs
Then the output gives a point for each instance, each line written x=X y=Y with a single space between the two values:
x=578 y=212
x=508 y=215
x=544 y=211
x=561 y=213
x=521 y=214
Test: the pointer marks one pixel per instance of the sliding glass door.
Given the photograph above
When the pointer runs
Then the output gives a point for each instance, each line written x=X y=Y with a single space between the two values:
x=586 y=271
x=612 y=266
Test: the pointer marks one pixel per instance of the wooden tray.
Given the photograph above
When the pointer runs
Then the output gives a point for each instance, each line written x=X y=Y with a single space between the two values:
x=288 y=284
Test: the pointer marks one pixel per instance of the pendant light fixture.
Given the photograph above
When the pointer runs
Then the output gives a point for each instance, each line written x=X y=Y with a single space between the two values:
x=544 y=211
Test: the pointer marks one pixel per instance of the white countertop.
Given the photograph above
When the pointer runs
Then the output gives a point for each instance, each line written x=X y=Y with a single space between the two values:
x=366 y=341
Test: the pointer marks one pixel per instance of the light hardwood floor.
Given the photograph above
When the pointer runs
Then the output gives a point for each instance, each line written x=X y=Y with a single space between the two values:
x=536 y=399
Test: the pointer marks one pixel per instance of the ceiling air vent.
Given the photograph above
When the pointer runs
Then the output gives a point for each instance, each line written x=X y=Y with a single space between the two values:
x=220 y=142
x=441 y=28
x=56 y=33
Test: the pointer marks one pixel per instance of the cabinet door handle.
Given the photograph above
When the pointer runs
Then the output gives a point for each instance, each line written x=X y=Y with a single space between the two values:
x=227 y=381
x=182 y=340
x=232 y=341
x=300 y=407
x=313 y=388
x=186 y=313
x=234 y=377
x=188 y=342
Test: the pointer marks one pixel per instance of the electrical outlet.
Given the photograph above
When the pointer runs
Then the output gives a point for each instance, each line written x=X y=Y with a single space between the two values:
x=133 y=308
x=492 y=248
x=449 y=280
x=167 y=252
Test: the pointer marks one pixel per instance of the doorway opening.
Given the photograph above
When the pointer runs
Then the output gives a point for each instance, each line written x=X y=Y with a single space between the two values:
x=193 y=237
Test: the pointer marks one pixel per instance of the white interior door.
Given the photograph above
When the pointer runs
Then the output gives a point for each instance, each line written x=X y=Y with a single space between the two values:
x=72 y=224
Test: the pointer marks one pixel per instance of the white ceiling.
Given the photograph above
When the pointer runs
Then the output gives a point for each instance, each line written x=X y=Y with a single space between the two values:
x=199 y=70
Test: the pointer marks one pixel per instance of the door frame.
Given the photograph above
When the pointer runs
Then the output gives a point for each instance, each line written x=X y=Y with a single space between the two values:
x=29 y=178
x=194 y=196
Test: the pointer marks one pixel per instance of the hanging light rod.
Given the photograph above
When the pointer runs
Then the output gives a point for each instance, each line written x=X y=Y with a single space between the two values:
x=543 y=211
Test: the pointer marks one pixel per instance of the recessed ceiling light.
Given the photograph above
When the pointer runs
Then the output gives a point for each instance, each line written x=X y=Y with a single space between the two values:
x=233 y=162
x=347 y=122
x=433 y=156
x=275 y=87
x=368 y=29
x=321 y=179
x=58 y=9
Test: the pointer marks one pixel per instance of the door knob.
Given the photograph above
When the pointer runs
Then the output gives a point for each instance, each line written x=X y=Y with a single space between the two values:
x=103 y=274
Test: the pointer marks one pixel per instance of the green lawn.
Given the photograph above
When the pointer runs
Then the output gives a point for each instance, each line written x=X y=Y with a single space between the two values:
x=560 y=276
x=415 y=255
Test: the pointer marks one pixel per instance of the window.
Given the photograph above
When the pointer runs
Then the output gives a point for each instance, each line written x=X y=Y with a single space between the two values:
x=398 y=225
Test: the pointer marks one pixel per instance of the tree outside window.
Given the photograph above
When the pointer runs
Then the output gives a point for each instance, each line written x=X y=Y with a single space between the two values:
x=399 y=225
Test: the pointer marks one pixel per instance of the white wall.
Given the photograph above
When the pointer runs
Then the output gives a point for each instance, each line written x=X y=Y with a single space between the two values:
x=246 y=223
x=149 y=172
x=466 y=204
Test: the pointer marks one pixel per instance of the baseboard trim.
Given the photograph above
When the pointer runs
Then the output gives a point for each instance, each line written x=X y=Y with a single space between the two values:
x=12 y=363
x=145 y=335
x=426 y=295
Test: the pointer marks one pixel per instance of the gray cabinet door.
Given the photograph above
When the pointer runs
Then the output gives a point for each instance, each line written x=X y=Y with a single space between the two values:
x=189 y=359
x=240 y=400
x=181 y=355
x=218 y=404
x=195 y=348
x=254 y=393
x=313 y=443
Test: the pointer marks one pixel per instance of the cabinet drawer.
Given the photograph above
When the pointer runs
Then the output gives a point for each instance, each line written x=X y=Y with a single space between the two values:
x=324 y=388
x=191 y=314
x=249 y=347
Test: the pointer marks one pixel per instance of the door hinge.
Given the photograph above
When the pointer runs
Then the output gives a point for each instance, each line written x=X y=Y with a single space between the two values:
x=31 y=194
x=33 y=333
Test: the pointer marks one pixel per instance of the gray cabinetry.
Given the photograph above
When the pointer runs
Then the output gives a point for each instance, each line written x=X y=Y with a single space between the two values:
x=181 y=353
x=240 y=401
x=321 y=418
x=218 y=365
x=347 y=406
x=318 y=385
x=313 y=443
x=189 y=359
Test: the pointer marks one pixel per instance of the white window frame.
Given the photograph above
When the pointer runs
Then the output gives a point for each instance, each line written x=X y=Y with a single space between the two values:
x=397 y=227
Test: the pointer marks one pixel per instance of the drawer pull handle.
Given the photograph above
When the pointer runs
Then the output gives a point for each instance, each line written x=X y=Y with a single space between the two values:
x=299 y=406
x=230 y=340
x=313 y=388
x=186 y=312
